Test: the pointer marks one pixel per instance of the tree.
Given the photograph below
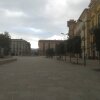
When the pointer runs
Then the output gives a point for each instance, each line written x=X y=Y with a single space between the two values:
x=73 y=46
x=69 y=46
x=50 y=52
x=5 y=42
x=77 y=46
x=60 y=49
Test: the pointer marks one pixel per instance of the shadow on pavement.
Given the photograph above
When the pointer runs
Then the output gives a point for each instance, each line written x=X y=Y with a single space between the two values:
x=97 y=70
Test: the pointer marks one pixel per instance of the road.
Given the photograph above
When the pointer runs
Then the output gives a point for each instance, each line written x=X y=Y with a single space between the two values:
x=39 y=78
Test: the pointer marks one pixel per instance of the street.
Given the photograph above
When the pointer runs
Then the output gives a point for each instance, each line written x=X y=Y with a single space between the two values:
x=39 y=78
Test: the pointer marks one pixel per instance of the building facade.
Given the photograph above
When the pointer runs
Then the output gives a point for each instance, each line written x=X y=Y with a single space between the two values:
x=46 y=44
x=71 y=25
x=84 y=26
x=20 y=47
x=94 y=7
x=83 y=30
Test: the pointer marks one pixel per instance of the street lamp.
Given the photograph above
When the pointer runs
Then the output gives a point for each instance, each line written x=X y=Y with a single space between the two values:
x=64 y=35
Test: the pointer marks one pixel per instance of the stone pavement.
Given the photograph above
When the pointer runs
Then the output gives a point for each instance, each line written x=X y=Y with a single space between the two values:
x=39 y=78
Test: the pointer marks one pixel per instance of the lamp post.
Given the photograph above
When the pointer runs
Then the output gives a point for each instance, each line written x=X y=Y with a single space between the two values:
x=64 y=35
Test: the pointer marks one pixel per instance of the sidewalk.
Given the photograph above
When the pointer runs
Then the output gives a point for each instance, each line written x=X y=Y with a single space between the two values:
x=93 y=63
x=89 y=63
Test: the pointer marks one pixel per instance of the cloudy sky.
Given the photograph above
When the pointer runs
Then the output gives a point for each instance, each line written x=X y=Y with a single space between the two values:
x=38 y=19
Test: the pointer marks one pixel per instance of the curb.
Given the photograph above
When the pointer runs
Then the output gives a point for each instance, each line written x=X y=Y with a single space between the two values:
x=4 y=61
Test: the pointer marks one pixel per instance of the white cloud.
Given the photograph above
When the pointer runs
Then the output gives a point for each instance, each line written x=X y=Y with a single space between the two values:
x=26 y=30
x=38 y=19
x=55 y=8
x=34 y=43
x=14 y=13
x=56 y=37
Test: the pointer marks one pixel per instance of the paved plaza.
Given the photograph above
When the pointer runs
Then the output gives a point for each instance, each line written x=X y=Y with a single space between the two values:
x=39 y=78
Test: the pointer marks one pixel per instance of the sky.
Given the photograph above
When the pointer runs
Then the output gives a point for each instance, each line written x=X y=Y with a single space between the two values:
x=33 y=20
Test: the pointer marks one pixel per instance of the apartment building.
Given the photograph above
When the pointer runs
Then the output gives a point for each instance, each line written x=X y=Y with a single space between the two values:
x=46 y=44
x=20 y=47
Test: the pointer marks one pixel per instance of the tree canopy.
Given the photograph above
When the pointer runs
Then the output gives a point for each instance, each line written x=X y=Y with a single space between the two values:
x=61 y=48
x=5 y=42
x=74 y=45
x=50 y=52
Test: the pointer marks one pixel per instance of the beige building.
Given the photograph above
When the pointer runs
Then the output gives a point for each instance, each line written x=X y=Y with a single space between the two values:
x=82 y=29
x=72 y=25
x=87 y=22
x=45 y=44
x=20 y=47
x=94 y=7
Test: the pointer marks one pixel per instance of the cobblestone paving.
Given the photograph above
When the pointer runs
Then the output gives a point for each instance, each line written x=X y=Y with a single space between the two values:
x=38 y=78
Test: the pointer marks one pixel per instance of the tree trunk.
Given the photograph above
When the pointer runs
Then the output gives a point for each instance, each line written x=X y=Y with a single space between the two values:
x=65 y=56
x=70 y=58
x=99 y=57
x=77 y=58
